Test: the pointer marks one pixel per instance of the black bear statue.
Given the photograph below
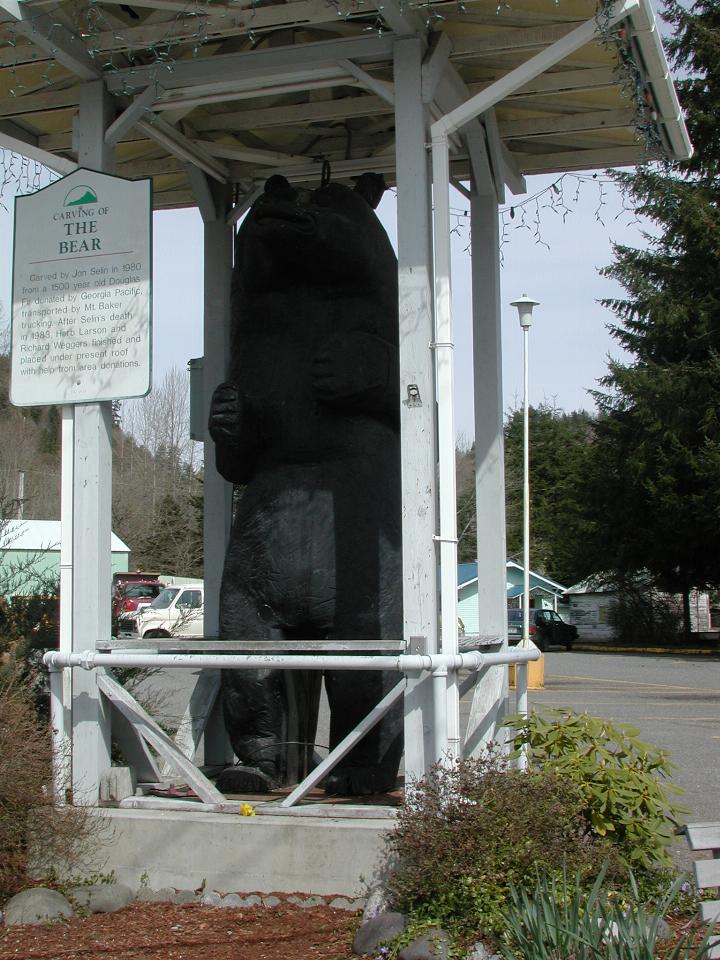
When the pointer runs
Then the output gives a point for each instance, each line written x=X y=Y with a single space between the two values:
x=308 y=426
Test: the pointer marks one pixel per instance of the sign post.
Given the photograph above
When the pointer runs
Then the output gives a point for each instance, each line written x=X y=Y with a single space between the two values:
x=81 y=337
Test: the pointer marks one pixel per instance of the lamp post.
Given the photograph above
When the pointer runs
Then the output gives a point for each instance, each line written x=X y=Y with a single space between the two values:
x=525 y=306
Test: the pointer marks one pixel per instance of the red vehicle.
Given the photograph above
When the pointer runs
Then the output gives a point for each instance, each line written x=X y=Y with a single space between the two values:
x=132 y=589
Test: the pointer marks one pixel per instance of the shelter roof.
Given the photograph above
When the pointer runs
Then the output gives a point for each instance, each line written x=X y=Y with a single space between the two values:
x=41 y=536
x=244 y=88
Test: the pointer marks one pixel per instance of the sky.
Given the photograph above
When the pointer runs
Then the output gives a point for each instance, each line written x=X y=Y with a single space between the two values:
x=556 y=263
x=552 y=258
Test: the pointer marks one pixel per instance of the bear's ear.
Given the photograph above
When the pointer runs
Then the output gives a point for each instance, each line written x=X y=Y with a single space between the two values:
x=371 y=187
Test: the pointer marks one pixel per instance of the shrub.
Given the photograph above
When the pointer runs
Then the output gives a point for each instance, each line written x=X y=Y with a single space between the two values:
x=473 y=828
x=619 y=777
x=28 y=818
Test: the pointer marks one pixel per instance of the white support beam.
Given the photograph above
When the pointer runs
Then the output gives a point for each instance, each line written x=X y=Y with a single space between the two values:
x=402 y=20
x=180 y=146
x=254 y=63
x=218 y=263
x=243 y=205
x=494 y=152
x=91 y=512
x=514 y=180
x=52 y=36
x=150 y=731
x=383 y=89
x=491 y=693
x=444 y=345
x=203 y=193
x=266 y=83
x=241 y=153
x=297 y=114
x=136 y=111
x=532 y=68
x=13 y=137
x=417 y=395
x=435 y=65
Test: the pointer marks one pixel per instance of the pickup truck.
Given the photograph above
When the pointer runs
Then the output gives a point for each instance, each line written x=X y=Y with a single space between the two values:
x=177 y=611
x=547 y=628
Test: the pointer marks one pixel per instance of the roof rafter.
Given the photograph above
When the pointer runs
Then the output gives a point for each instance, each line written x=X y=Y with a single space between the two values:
x=52 y=36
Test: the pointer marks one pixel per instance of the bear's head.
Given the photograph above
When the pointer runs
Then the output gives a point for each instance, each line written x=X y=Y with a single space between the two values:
x=326 y=237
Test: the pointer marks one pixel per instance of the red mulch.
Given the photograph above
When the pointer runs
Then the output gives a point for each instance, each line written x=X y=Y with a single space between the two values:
x=162 y=931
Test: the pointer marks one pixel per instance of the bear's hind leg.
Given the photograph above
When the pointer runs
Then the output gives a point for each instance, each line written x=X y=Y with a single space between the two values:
x=255 y=711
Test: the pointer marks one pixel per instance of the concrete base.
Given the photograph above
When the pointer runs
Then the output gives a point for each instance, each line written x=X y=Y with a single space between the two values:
x=234 y=854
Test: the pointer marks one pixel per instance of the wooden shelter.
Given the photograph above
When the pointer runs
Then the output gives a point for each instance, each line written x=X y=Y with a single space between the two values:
x=210 y=97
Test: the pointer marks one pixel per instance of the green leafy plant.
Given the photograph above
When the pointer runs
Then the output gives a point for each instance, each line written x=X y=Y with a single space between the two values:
x=472 y=828
x=558 y=919
x=623 y=781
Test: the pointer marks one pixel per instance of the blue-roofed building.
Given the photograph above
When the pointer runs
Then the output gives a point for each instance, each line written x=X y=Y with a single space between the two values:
x=544 y=592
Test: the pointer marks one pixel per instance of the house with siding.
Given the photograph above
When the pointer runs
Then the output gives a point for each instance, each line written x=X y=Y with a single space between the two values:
x=591 y=601
x=544 y=592
x=30 y=556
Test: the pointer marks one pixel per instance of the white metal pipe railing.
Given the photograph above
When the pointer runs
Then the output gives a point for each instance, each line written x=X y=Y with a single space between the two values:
x=406 y=663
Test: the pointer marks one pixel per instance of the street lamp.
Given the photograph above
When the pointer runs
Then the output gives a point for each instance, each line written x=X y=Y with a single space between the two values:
x=525 y=308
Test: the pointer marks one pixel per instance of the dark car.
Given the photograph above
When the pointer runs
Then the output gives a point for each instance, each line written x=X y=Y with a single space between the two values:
x=547 y=628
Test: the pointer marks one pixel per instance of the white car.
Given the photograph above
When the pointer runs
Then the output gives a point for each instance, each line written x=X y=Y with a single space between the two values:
x=176 y=612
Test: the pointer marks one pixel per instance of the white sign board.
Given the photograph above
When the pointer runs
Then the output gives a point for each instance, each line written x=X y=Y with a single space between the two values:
x=81 y=304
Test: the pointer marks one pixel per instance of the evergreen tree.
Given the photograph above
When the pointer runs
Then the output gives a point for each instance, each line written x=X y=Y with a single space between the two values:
x=559 y=446
x=654 y=496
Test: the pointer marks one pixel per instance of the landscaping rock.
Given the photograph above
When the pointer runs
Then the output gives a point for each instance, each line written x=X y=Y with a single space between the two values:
x=271 y=901
x=433 y=945
x=377 y=930
x=252 y=901
x=312 y=902
x=211 y=899
x=663 y=931
x=101 y=897
x=38 y=905
x=185 y=896
x=342 y=903
x=232 y=900
x=377 y=902
x=478 y=951
x=148 y=895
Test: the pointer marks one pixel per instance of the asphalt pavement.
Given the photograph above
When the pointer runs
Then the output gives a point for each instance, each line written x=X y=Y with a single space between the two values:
x=674 y=701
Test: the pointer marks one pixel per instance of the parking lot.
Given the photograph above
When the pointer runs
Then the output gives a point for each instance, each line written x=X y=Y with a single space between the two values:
x=674 y=701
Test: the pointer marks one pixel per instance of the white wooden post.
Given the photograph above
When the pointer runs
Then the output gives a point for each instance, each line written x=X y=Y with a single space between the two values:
x=417 y=395
x=91 y=511
x=489 y=700
x=218 y=261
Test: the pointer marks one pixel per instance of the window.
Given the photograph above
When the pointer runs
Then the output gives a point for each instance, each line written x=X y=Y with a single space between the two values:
x=191 y=599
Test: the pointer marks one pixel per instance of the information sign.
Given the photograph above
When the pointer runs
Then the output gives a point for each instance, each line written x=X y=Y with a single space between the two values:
x=81 y=303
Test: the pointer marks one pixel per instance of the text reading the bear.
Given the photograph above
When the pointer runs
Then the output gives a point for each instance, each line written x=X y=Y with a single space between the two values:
x=81 y=291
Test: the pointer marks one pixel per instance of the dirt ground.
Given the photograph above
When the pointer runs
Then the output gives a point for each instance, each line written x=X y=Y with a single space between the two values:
x=162 y=931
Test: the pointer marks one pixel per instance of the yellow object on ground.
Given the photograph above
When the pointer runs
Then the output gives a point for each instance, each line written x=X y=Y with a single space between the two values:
x=536 y=674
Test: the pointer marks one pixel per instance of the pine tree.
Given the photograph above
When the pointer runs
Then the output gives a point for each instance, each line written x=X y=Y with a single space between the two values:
x=654 y=496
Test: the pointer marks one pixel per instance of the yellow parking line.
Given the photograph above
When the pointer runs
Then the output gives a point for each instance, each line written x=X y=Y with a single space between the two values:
x=634 y=683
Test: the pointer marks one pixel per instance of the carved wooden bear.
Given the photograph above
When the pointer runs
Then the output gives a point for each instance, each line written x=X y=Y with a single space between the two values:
x=309 y=424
